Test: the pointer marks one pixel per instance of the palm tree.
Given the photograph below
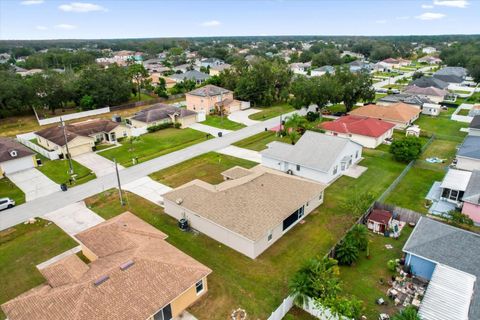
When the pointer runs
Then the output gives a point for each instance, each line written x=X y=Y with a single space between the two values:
x=409 y=313
x=346 y=252
x=293 y=136
x=359 y=234
x=295 y=122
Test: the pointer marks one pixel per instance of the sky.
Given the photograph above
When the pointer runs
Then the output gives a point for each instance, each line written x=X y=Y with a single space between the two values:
x=95 y=19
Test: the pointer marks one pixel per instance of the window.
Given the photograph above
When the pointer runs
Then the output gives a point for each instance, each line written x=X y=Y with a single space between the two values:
x=335 y=170
x=356 y=154
x=343 y=166
x=270 y=236
x=294 y=217
x=320 y=196
x=298 y=167
x=164 y=314
x=453 y=195
x=199 y=286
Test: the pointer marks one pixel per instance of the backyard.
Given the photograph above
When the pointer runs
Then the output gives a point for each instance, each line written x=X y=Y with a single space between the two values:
x=10 y=190
x=21 y=249
x=222 y=123
x=257 y=285
x=152 y=145
x=271 y=112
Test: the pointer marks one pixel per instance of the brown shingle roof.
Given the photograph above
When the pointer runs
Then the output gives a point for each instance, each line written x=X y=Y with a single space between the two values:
x=399 y=112
x=8 y=145
x=157 y=274
x=84 y=128
x=250 y=205
x=161 y=111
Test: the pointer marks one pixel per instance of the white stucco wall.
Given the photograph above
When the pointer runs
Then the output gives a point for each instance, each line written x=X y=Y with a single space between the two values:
x=365 y=141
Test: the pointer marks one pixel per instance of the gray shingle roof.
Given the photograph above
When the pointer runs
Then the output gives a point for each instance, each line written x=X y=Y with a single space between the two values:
x=450 y=246
x=8 y=145
x=208 y=91
x=407 y=98
x=424 y=82
x=472 y=193
x=161 y=111
x=314 y=150
x=451 y=74
x=470 y=148
x=475 y=122
x=190 y=75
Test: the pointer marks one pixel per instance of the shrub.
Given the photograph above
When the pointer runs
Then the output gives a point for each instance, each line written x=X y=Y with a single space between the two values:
x=177 y=125
x=312 y=116
x=409 y=313
x=358 y=235
x=159 y=127
x=457 y=218
x=392 y=264
x=406 y=149
x=346 y=252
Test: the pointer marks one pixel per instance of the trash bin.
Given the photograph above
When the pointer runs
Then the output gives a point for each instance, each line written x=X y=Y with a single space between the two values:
x=219 y=134
x=64 y=187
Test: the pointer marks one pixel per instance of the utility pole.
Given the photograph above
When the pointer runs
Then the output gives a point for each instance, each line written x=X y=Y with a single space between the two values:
x=70 y=164
x=122 y=203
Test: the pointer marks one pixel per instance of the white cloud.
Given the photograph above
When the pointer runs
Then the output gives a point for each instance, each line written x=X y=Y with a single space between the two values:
x=81 y=7
x=211 y=23
x=427 y=6
x=430 y=16
x=65 y=26
x=403 y=18
x=30 y=2
x=451 y=3
x=41 y=28
x=381 y=21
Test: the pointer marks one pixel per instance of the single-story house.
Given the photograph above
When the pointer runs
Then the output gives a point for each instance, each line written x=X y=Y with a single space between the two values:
x=400 y=114
x=160 y=113
x=210 y=98
x=432 y=93
x=318 y=72
x=474 y=126
x=215 y=70
x=368 y=132
x=315 y=156
x=81 y=136
x=451 y=74
x=431 y=109
x=408 y=98
x=382 y=67
x=429 y=50
x=430 y=60
x=379 y=221
x=155 y=78
x=249 y=211
x=183 y=67
x=300 y=67
x=133 y=274
x=197 y=76
x=449 y=258
x=211 y=62
x=425 y=82
x=396 y=63
x=471 y=198
x=15 y=157
x=358 y=65
x=468 y=154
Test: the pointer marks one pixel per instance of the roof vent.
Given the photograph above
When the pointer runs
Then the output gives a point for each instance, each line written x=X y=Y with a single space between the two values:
x=126 y=265
x=13 y=153
x=179 y=201
x=101 y=280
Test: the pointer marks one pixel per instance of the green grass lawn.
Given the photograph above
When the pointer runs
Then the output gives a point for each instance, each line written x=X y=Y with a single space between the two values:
x=259 y=141
x=57 y=171
x=258 y=285
x=222 y=123
x=152 y=145
x=442 y=126
x=463 y=112
x=103 y=146
x=474 y=98
x=271 y=112
x=363 y=279
x=206 y=167
x=21 y=249
x=143 y=97
x=10 y=190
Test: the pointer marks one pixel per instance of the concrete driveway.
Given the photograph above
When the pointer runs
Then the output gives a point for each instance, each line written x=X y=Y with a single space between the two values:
x=99 y=165
x=242 y=153
x=242 y=116
x=149 y=189
x=33 y=183
x=208 y=129
x=74 y=218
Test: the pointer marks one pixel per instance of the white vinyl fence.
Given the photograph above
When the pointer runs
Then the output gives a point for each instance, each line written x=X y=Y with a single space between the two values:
x=311 y=307
x=135 y=132
x=72 y=116
x=456 y=117
x=25 y=140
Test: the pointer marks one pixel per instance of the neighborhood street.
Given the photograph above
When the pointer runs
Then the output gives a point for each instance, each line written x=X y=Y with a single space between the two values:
x=59 y=199
x=385 y=82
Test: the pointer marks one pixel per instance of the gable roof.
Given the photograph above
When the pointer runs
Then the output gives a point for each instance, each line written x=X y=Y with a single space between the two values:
x=428 y=91
x=190 y=75
x=470 y=148
x=381 y=216
x=313 y=150
x=450 y=246
x=398 y=112
x=424 y=82
x=161 y=111
x=136 y=274
x=358 y=125
x=452 y=71
x=249 y=205
x=406 y=98
x=209 y=91
x=8 y=145
x=73 y=130
x=475 y=123
x=472 y=193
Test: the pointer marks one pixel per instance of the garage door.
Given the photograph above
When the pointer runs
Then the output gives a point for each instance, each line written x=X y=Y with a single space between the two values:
x=75 y=151
x=17 y=165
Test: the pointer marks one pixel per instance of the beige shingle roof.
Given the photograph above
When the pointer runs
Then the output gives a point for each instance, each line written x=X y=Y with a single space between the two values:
x=158 y=273
x=250 y=205
x=400 y=112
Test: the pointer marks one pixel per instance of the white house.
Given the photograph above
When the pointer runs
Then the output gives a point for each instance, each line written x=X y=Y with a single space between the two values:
x=15 y=157
x=468 y=154
x=315 y=156
x=429 y=50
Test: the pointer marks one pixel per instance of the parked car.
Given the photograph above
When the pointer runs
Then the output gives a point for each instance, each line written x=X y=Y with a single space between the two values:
x=6 y=203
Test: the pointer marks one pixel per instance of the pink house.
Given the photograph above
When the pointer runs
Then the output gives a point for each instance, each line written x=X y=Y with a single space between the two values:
x=471 y=198
x=209 y=99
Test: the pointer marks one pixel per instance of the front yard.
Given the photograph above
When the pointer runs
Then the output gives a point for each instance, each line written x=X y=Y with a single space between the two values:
x=152 y=145
x=271 y=112
x=259 y=141
x=21 y=249
x=57 y=171
x=222 y=123
x=9 y=190
x=237 y=281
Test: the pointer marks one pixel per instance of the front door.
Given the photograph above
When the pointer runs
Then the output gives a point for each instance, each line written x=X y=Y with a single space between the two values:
x=113 y=137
